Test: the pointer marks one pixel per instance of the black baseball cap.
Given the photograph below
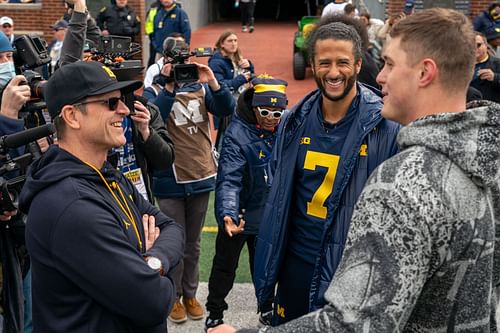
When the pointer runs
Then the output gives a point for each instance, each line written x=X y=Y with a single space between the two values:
x=73 y=82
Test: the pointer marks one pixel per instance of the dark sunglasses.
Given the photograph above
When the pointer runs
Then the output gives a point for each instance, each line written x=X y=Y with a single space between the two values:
x=6 y=26
x=111 y=102
x=265 y=112
x=478 y=45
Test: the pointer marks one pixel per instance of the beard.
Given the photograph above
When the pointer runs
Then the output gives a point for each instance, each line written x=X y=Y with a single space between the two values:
x=350 y=84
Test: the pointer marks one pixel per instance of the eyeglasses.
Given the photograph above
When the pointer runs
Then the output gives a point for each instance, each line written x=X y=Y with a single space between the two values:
x=265 y=112
x=6 y=26
x=478 y=45
x=111 y=102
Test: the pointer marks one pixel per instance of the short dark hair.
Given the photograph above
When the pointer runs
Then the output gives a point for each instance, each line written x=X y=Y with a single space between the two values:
x=335 y=31
x=353 y=22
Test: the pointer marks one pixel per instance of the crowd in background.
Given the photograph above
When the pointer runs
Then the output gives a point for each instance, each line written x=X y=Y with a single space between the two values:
x=168 y=157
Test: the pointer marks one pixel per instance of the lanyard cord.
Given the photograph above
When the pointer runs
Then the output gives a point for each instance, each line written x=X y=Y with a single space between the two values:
x=127 y=211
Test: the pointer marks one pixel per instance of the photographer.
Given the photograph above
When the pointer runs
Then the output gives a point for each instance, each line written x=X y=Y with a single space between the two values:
x=15 y=308
x=183 y=190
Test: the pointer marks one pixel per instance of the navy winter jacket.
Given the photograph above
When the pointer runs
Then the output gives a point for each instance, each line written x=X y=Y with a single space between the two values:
x=166 y=22
x=88 y=267
x=368 y=128
x=224 y=71
x=242 y=175
x=220 y=103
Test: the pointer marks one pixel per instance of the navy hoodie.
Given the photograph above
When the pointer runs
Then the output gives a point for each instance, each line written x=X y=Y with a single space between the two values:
x=88 y=270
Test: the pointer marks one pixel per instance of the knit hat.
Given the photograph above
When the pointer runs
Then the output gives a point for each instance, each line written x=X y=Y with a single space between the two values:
x=269 y=92
x=493 y=32
x=73 y=82
x=5 y=45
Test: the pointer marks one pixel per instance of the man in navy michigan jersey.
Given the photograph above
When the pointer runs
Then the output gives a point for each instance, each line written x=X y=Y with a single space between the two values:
x=326 y=149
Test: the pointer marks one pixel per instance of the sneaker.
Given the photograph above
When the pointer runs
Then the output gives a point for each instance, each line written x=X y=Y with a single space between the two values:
x=244 y=28
x=178 y=313
x=210 y=323
x=251 y=29
x=266 y=318
x=193 y=308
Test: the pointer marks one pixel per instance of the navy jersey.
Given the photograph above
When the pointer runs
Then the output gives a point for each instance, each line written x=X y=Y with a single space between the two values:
x=315 y=171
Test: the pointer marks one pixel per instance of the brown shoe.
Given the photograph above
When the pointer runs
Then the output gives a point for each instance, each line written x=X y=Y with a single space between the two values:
x=178 y=313
x=193 y=308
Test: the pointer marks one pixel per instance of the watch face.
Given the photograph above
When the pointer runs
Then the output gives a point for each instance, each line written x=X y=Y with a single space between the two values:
x=154 y=263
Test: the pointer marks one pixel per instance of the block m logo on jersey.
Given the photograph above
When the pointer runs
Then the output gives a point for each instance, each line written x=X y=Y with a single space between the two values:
x=190 y=113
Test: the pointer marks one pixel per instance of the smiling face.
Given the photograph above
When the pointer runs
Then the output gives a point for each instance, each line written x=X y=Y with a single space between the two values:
x=101 y=127
x=335 y=69
x=399 y=82
x=268 y=122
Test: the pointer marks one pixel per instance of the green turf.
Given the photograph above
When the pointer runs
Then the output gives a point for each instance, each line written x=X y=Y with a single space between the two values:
x=208 y=250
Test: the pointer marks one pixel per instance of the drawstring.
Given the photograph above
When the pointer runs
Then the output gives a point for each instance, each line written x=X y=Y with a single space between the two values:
x=125 y=209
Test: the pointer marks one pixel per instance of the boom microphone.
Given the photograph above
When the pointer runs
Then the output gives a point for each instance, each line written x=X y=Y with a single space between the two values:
x=23 y=138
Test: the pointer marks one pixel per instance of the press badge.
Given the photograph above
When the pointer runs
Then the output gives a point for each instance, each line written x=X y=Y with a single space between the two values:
x=135 y=176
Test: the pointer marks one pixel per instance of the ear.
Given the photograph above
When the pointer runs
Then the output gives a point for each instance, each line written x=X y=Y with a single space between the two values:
x=72 y=116
x=358 y=65
x=428 y=72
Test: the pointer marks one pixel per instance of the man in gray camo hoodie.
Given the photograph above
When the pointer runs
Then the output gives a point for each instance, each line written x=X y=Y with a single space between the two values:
x=421 y=254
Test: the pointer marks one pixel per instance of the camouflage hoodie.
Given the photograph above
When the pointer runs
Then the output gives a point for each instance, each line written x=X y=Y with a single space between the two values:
x=421 y=254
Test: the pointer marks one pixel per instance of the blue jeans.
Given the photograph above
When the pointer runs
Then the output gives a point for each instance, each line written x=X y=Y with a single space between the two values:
x=28 y=325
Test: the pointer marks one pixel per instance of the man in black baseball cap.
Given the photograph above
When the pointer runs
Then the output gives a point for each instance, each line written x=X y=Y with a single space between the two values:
x=100 y=252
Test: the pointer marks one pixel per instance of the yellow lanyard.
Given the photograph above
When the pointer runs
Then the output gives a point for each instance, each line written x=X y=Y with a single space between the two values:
x=126 y=210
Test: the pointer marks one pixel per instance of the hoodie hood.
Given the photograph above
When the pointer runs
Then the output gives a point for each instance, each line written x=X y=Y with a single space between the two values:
x=55 y=165
x=470 y=139
x=244 y=109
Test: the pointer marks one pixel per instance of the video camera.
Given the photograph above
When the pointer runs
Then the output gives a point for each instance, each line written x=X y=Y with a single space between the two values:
x=10 y=188
x=177 y=53
x=31 y=52
x=115 y=52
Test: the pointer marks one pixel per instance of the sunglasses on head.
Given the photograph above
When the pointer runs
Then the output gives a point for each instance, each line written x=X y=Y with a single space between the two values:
x=111 y=102
x=265 y=112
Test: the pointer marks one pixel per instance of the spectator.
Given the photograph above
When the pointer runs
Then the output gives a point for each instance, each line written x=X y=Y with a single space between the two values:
x=7 y=26
x=409 y=7
x=422 y=253
x=373 y=25
x=168 y=17
x=493 y=38
x=486 y=77
x=329 y=144
x=350 y=10
x=230 y=67
x=241 y=188
x=384 y=33
x=183 y=191
x=335 y=7
x=155 y=68
x=487 y=18
x=247 y=8
x=118 y=19
x=73 y=184
x=15 y=278
x=59 y=28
